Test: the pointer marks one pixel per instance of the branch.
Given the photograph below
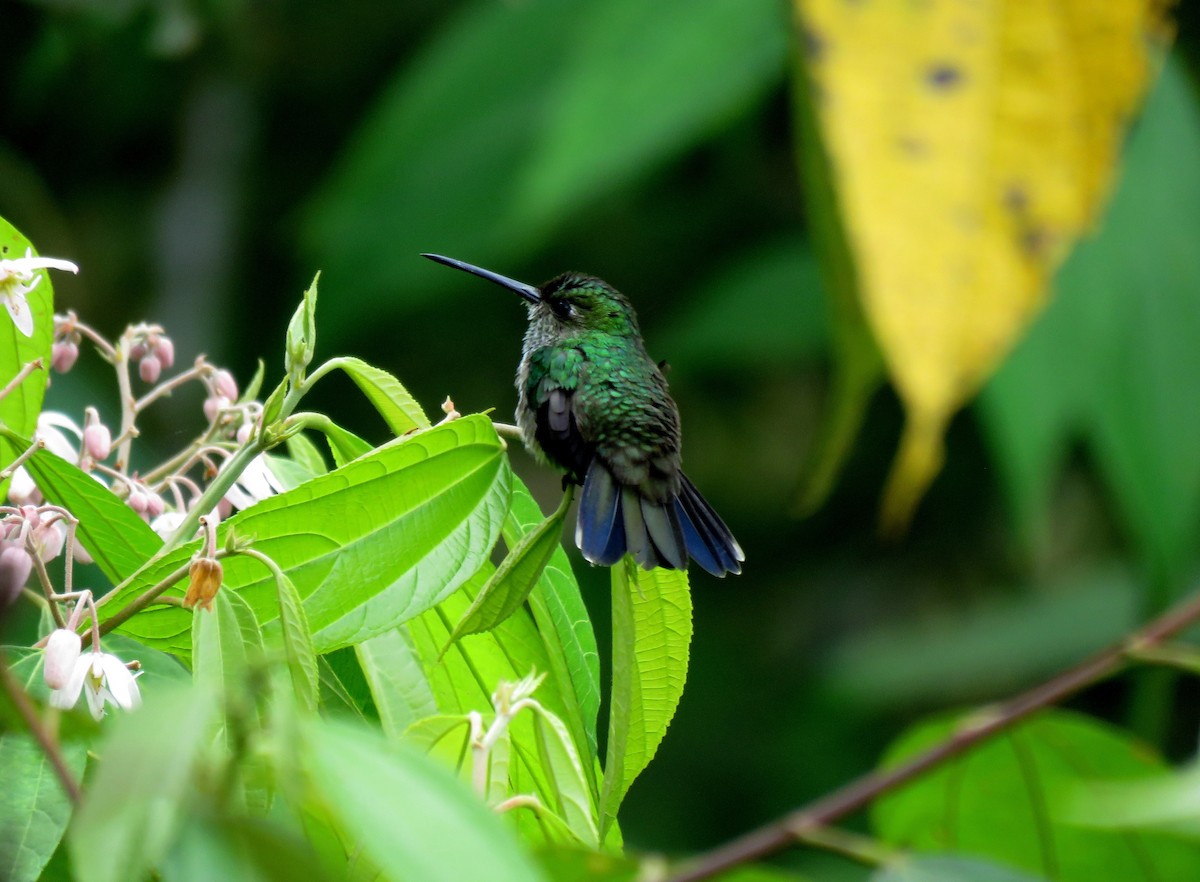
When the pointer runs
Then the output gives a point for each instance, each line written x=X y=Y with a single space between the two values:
x=801 y=823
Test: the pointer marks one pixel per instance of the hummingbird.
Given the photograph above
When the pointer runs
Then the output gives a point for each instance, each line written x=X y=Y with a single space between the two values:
x=592 y=402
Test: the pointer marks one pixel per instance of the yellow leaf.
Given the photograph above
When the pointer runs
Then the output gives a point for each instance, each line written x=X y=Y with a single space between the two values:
x=971 y=144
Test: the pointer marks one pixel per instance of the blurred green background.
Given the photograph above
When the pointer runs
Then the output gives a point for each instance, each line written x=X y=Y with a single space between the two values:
x=201 y=160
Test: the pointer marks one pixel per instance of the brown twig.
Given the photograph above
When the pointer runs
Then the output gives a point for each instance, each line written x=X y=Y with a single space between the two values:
x=857 y=794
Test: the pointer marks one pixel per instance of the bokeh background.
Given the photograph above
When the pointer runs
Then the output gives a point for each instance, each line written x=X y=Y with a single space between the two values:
x=202 y=160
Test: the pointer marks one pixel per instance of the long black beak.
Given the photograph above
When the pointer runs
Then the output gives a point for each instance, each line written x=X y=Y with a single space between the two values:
x=529 y=292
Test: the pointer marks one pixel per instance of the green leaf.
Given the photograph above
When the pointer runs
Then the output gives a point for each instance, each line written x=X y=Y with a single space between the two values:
x=118 y=540
x=389 y=397
x=467 y=676
x=343 y=444
x=948 y=868
x=20 y=408
x=575 y=864
x=393 y=670
x=652 y=630
x=240 y=850
x=574 y=800
x=613 y=91
x=407 y=814
x=35 y=809
x=297 y=643
x=563 y=623
x=640 y=83
x=1113 y=359
x=368 y=546
x=139 y=796
x=506 y=590
x=1004 y=800
x=306 y=455
x=224 y=640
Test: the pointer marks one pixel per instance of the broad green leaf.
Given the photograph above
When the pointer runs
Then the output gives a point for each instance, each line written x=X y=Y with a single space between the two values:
x=409 y=815
x=118 y=540
x=1113 y=359
x=971 y=147
x=1168 y=802
x=139 y=796
x=393 y=670
x=574 y=864
x=948 y=868
x=35 y=808
x=652 y=630
x=613 y=91
x=1005 y=800
x=368 y=546
x=398 y=409
x=505 y=592
x=563 y=623
x=20 y=408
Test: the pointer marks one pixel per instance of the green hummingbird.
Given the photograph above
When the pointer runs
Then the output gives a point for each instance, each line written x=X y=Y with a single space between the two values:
x=591 y=401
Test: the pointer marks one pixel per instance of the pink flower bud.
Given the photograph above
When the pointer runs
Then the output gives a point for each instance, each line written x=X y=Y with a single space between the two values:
x=138 y=501
x=49 y=539
x=154 y=505
x=213 y=405
x=165 y=350
x=137 y=351
x=15 y=567
x=63 y=355
x=243 y=432
x=224 y=385
x=97 y=441
x=62 y=651
x=150 y=369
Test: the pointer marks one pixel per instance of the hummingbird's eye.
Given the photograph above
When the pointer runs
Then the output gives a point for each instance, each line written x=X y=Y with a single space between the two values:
x=563 y=308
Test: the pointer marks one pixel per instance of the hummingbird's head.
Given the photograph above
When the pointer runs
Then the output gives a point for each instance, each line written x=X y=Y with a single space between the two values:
x=567 y=304
x=578 y=302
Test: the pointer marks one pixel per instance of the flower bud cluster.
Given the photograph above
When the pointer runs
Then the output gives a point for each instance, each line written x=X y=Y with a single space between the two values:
x=152 y=351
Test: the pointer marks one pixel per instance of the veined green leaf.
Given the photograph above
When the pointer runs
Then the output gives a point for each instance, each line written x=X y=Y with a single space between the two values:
x=652 y=630
x=575 y=801
x=118 y=540
x=1006 y=801
x=514 y=579
x=389 y=397
x=409 y=815
x=297 y=643
x=368 y=546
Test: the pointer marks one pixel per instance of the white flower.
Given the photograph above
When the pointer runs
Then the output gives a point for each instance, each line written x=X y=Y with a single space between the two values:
x=62 y=653
x=254 y=484
x=21 y=275
x=102 y=678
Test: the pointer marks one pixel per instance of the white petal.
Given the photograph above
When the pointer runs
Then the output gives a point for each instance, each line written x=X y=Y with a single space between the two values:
x=15 y=303
x=65 y=698
x=22 y=490
x=58 y=661
x=119 y=682
x=95 y=698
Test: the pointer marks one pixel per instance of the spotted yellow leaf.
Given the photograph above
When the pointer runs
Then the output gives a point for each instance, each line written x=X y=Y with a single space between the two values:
x=971 y=143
